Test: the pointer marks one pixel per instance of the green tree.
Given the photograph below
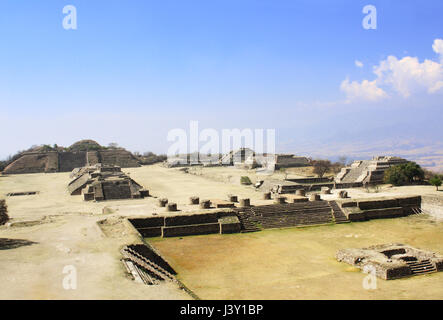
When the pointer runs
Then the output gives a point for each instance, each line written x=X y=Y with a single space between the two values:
x=404 y=173
x=395 y=175
x=435 y=181
x=413 y=171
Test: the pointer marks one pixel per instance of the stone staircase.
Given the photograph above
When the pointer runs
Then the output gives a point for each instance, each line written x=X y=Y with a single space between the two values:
x=421 y=267
x=286 y=215
x=356 y=172
x=246 y=224
x=339 y=216
x=153 y=265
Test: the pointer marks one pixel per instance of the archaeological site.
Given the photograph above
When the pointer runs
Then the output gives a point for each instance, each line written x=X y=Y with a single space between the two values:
x=58 y=159
x=214 y=158
x=180 y=231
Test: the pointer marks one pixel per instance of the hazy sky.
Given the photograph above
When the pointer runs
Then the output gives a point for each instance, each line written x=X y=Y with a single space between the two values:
x=133 y=70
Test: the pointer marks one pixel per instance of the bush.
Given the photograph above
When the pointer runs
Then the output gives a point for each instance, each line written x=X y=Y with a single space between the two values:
x=321 y=167
x=435 y=181
x=245 y=180
x=151 y=158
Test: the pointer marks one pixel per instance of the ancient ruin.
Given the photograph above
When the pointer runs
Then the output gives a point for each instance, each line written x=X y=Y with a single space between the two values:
x=22 y=193
x=392 y=261
x=104 y=182
x=290 y=161
x=285 y=215
x=206 y=222
x=243 y=158
x=80 y=154
x=377 y=208
x=368 y=171
x=146 y=266
x=293 y=185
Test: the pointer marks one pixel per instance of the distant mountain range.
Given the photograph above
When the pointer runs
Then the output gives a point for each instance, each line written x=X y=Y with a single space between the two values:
x=428 y=154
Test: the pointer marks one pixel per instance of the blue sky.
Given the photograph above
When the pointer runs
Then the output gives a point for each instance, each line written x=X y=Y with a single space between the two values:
x=135 y=69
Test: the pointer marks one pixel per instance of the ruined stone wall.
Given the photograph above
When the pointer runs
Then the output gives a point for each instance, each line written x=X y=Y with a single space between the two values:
x=52 y=161
x=191 y=219
x=344 y=185
x=188 y=230
x=183 y=225
x=121 y=158
x=28 y=163
x=75 y=187
x=116 y=190
x=147 y=222
x=93 y=157
x=361 y=210
x=289 y=161
x=70 y=160
x=309 y=180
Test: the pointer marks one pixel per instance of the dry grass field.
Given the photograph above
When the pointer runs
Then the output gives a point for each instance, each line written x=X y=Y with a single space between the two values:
x=299 y=263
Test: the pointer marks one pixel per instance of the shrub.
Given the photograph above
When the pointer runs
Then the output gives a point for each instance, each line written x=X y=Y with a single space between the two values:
x=435 y=181
x=321 y=167
x=245 y=180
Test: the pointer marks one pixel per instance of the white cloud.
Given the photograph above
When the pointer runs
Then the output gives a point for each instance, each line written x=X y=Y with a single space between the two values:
x=405 y=76
x=365 y=90
x=408 y=75
x=437 y=46
x=358 y=64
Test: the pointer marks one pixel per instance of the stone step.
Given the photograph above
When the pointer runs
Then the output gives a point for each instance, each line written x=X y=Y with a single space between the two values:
x=424 y=271
x=147 y=264
x=421 y=267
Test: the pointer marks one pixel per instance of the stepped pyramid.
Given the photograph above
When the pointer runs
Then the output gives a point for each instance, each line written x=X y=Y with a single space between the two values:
x=58 y=159
x=368 y=171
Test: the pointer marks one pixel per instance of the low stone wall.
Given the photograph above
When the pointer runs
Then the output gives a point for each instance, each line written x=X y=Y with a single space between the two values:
x=229 y=225
x=180 y=220
x=377 y=204
x=188 y=230
x=347 y=185
x=147 y=222
x=187 y=224
x=362 y=210
x=384 y=213
x=150 y=232
x=309 y=180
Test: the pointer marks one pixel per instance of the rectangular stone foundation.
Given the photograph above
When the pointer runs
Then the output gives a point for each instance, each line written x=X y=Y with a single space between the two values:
x=366 y=209
x=229 y=225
